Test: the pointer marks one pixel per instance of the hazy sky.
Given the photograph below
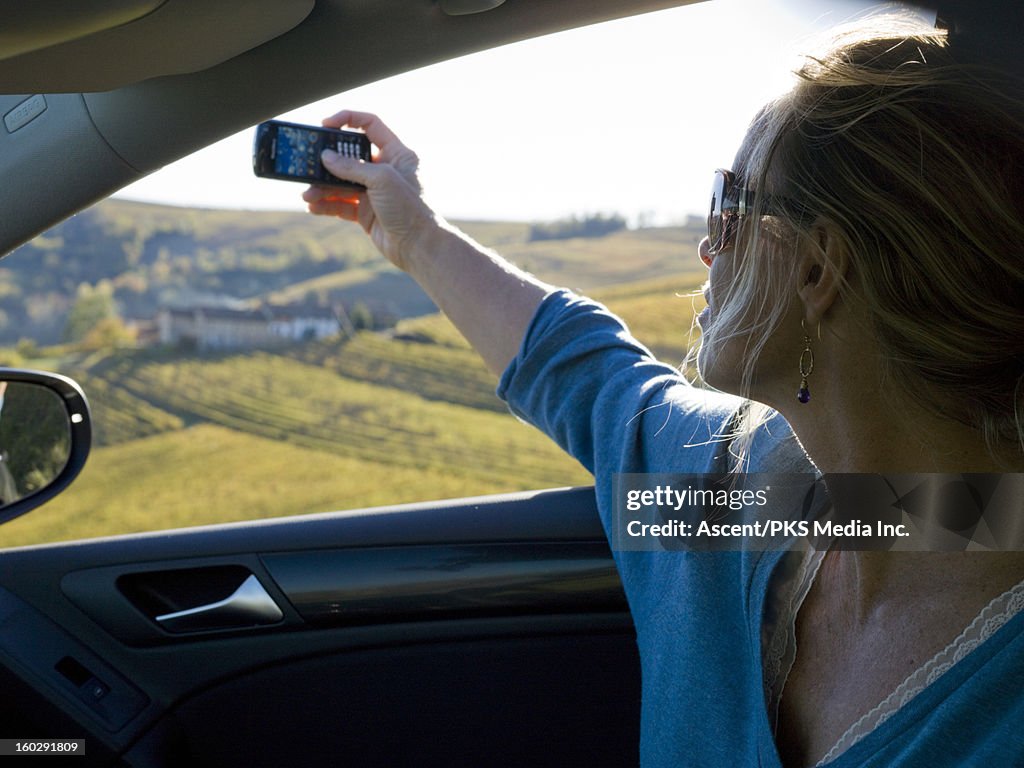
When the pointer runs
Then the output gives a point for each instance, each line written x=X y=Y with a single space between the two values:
x=630 y=116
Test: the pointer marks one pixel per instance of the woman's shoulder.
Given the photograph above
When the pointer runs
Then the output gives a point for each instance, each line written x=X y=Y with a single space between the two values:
x=721 y=425
x=773 y=447
x=584 y=380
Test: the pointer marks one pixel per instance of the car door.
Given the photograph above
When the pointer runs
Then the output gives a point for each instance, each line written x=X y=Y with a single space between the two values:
x=489 y=631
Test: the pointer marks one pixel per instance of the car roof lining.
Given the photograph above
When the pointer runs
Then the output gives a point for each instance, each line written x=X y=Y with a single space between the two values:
x=43 y=24
x=121 y=135
x=107 y=44
x=84 y=147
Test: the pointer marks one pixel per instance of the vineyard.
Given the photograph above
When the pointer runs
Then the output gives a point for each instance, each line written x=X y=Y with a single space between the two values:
x=411 y=361
x=283 y=400
x=380 y=418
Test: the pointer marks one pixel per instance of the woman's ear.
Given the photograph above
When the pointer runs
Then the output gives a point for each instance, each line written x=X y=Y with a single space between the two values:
x=822 y=271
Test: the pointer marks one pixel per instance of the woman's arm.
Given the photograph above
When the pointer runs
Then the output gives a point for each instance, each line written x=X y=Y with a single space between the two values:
x=582 y=378
x=489 y=300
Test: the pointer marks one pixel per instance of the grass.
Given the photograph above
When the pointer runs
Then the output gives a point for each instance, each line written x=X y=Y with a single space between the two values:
x=282 y=399
x=210 y=474
x=378 y=419
x=118 y=416
x=660 y=313
x=439 y=368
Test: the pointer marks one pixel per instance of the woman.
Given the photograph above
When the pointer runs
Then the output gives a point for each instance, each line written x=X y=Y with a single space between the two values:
x=866 y=283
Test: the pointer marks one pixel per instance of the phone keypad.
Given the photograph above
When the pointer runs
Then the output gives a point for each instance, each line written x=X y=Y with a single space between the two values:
x=349 y=149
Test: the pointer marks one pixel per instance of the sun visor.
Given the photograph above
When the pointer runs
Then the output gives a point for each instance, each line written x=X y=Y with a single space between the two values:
x=53 y=46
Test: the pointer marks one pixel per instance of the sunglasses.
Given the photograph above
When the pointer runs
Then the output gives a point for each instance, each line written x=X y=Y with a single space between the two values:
x=730 y=202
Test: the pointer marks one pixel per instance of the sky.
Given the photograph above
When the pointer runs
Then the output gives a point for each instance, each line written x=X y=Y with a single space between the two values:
x=629 y=117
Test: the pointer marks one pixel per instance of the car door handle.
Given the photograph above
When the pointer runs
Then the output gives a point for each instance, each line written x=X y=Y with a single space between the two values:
x=248 y=605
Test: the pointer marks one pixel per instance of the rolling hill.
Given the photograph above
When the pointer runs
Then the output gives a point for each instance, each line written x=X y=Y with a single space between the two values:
x=379 y=418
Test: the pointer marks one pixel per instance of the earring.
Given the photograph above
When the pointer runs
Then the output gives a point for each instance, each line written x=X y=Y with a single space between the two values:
x=806 y=366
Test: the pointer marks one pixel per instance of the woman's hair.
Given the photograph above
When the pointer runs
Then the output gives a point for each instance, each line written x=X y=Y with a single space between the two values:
x=914 y=158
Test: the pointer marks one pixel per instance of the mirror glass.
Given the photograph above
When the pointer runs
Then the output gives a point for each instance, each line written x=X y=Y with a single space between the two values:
x=35 y=439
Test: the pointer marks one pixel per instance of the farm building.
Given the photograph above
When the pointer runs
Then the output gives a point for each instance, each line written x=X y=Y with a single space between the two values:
x=214 y=328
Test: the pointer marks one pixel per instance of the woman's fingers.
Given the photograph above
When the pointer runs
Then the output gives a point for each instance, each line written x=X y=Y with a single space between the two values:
x=316 y=193
x=333 y=195
x=344 y=209
x=391 y=208
x=388 y=148
x=351 y=169
x=370 y=124
x=373 y=175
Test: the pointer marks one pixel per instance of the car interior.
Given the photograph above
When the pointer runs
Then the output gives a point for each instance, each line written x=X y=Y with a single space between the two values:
x=483 y=631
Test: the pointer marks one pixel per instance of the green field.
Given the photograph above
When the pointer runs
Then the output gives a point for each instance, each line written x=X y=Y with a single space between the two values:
x=209 y=474
x=381 y=418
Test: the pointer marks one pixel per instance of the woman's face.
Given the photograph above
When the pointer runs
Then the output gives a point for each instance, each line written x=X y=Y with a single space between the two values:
x=719 y=359
x=739 y=310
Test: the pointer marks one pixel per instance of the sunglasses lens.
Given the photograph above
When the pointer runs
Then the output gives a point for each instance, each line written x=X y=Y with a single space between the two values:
x=715 y=222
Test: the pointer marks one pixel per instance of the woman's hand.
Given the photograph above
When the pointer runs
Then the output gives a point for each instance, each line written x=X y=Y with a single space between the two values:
x=391 y=210
x=488 y=299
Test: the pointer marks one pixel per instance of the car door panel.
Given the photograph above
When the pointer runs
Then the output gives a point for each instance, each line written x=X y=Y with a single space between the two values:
x=490 y=630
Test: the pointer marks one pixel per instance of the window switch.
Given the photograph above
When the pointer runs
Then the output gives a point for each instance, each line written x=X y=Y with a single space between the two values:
x=95 y=689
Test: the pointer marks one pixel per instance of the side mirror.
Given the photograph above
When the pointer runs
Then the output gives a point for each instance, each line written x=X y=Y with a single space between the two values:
x=45 y=435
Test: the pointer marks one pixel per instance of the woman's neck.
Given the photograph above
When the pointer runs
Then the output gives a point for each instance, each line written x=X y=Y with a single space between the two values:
x=849 y=427
x=850 y=441
x=898 y=440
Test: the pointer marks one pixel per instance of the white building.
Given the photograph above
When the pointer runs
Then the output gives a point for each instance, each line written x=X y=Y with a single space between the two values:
x=214 y=328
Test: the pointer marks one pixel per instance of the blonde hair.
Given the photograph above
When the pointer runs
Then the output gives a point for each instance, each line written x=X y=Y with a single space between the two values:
x=915 y=159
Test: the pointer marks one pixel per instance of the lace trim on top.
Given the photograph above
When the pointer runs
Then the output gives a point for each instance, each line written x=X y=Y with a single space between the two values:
x=995 y=615
x=779 y=640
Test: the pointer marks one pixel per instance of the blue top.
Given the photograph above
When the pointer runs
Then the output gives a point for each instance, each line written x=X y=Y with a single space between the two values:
x=582 y=379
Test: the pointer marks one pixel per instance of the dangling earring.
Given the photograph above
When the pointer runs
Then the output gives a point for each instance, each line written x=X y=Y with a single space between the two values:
x=806 y=367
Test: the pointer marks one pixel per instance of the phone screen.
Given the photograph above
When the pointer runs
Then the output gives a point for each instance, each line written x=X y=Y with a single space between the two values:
x=298 y=152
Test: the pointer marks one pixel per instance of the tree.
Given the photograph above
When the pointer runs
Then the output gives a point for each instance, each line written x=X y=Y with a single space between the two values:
x=92 y=305
x=108 y=334
x=595 y=225
x=361 y=317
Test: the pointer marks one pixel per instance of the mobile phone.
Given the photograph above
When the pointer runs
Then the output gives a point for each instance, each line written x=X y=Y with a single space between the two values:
x=291 y=152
